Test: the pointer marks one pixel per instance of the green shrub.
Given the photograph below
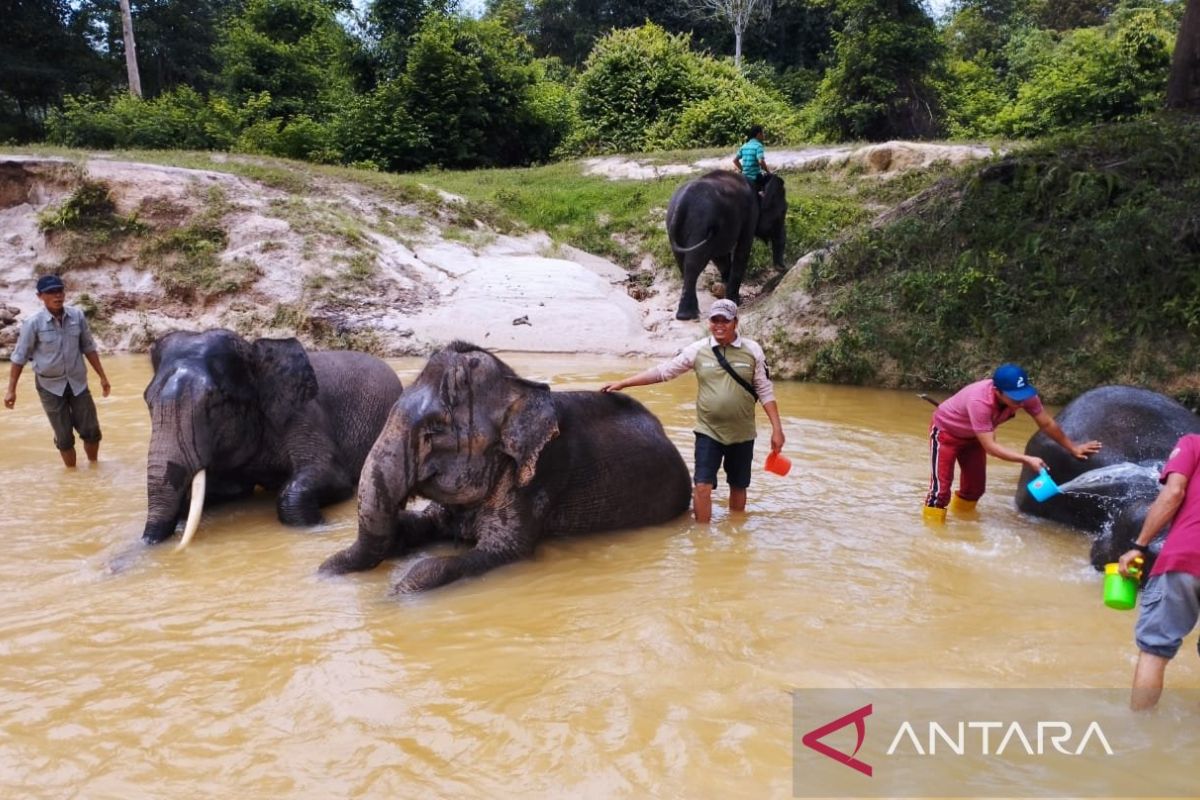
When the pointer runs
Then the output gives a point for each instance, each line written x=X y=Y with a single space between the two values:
x=721 y=119
x=633 y=79
x=471 y=85
x=377 y=129
x=178 y=119
x=89 y=206
x=1117 y=72
x=300 y=138
x=881 y=85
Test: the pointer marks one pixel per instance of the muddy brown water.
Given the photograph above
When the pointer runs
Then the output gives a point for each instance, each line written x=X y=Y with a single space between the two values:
x=655 y=662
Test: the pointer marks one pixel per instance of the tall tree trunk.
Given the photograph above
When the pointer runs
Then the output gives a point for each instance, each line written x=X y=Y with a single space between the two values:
x=135 y=81
x=737 y=48
x=1183 y=85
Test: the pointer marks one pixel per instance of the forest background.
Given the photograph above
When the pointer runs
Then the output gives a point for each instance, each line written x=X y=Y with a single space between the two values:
x=407 y=84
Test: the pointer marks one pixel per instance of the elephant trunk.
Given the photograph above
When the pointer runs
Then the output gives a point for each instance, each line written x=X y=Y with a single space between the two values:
x=194 y=509
x=175 y=457
x=384 y=488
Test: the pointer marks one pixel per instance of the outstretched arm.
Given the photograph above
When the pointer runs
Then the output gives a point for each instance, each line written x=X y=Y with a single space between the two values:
x=1051 y=429
x=988 y=440
x=641 y=379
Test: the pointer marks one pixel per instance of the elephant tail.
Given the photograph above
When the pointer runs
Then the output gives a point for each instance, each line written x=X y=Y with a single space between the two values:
x=696 y=246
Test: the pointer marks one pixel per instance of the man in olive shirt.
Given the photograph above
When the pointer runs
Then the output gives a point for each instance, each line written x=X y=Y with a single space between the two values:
x=57 y=340
x=725 y=427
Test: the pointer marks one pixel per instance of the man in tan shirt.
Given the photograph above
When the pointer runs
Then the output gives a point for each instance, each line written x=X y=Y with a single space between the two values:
x=725 y=428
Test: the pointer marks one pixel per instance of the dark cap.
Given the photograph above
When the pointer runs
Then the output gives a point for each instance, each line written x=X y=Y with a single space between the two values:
x=1012 y=380
x=49 y=283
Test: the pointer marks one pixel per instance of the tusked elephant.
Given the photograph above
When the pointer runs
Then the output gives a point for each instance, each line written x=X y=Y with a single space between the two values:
x=505 y=462
x=228 y=415
x=716 y=217
x=1139 y=428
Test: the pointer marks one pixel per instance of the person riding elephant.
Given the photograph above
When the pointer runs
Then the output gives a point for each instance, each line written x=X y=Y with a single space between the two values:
x=1139 y=428
x=505 y=462
x=228 y=415
x=716 y=217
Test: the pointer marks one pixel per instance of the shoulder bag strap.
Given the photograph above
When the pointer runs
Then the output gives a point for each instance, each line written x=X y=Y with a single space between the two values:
x=725 y=365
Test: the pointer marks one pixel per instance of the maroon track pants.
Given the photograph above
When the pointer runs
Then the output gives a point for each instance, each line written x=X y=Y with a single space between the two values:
x=944 y=451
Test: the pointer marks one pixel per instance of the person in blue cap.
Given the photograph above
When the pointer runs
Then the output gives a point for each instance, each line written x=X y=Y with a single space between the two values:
x=57 y=340
x=963 y=431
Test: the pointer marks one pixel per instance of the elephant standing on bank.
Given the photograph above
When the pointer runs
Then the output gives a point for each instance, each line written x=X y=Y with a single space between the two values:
x=505 y=462
x=1139 y=428
x=716 y=218
x=228 y=415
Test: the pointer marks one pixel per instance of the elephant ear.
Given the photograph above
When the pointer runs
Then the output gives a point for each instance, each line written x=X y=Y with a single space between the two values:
x=529 y=425
x=286 y=380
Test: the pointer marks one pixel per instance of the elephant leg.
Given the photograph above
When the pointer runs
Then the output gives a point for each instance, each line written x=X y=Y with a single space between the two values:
x=724 y=265
x=504 y=532
x=412 y=529
x=301 y=498
x=778 y=240
x=741 y=257
x=689 y=307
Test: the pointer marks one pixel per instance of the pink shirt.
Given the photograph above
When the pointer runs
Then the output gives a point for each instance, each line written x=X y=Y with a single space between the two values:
x=975 y=409
x=1181 y=553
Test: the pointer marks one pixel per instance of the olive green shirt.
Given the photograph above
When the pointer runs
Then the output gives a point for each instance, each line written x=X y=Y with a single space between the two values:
x=724 y=409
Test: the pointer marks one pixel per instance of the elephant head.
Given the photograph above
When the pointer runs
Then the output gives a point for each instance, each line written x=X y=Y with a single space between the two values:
x=214 y=398
x=467 y=427
x=772 y=217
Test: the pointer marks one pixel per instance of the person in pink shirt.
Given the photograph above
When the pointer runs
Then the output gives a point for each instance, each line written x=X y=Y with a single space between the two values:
x=1170 y=603
x=963 y=431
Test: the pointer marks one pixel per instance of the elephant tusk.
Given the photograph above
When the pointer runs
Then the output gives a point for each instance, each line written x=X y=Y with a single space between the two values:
x=194 y=509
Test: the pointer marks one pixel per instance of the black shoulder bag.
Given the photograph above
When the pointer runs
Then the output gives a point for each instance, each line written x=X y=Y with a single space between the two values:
x=725 y=365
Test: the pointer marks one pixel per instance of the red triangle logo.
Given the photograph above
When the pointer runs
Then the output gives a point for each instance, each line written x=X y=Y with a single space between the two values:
x=812 y=739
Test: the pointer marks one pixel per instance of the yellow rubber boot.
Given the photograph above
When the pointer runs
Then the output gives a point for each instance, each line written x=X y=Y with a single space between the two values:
x=934 y=515
x=960 y=506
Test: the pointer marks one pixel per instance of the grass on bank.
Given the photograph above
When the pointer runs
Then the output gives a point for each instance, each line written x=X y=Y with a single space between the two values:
x=1078 y=256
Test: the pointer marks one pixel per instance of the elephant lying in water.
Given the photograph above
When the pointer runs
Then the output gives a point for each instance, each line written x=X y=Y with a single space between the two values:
x=716 y=218
x=1139 y=428
x=505 y=462
x=228 y=415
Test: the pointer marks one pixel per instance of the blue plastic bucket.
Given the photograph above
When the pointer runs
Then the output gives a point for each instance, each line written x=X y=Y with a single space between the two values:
x=1042 y=487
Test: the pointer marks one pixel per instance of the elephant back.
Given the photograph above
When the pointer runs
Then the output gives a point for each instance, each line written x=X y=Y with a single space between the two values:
x=612 y=465
x=357 y=391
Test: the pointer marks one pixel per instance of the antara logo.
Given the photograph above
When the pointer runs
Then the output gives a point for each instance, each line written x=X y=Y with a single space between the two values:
x=813 y=738
x=1058 y=734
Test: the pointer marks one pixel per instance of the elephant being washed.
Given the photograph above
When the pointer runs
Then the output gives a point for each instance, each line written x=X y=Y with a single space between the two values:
x=716 y=218
x=228 y=415
x=505 y=462
x=1139 y=428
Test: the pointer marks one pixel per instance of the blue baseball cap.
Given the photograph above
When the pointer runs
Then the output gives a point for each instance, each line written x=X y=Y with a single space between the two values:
x=1012 y=380
x=49 y=283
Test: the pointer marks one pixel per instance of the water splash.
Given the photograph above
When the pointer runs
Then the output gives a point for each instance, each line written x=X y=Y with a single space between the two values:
x=1132 y=479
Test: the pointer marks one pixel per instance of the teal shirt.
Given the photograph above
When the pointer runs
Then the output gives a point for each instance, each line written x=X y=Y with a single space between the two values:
x=750 y=154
